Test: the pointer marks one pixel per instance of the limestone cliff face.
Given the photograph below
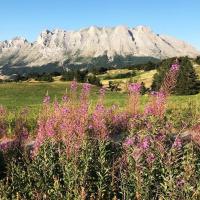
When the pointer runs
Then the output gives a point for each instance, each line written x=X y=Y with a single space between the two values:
x=58 y=45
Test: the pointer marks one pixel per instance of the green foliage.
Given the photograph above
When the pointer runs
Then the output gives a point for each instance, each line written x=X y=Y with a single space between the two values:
x=68 y=75
x=113 y=85
x=50 y=175
x=94 y=80
x=187 y=81
x=197 y=60
x=150 y=66
x=45 y=77
x=120 y=75
x=78 y=75
x=143 y=89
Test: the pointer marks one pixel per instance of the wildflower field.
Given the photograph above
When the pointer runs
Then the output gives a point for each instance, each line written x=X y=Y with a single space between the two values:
x=82 y=145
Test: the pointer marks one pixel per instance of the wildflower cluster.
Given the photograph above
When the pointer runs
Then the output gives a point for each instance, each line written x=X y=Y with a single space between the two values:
x=101 y=153
x=134 y=97
x=158 y=100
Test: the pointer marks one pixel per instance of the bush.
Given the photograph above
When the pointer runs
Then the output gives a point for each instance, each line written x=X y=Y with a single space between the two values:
x=113 y=85
x=94 y=80
x=45 y=77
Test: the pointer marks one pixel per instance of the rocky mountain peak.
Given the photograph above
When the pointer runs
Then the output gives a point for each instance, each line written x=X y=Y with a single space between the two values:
x=142 y=28
x=58 y=45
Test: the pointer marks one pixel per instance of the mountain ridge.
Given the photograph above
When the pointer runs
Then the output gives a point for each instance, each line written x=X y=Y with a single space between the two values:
x=59 y=45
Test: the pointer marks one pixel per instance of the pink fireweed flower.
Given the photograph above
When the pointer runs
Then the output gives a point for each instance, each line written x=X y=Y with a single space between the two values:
x=149 y=110
x=177 y=143
x=46 y=99
x=86 y=87
x=98 y=122
x=134 y=87
x=150 y=158
x=65 y=111
x=85 y=92
x=145 y=144
x=170 y=78
x=128 y=142
x=133 y=100
x=102 y=91
x=160 y=137
x=65 y=98
x=157 y=105
x=73 y=85
x=6 y=144
x=49 y=127
x=56 y=105
x=175 y=67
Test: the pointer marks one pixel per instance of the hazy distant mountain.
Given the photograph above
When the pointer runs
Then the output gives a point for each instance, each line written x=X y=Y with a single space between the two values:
x=59 y=45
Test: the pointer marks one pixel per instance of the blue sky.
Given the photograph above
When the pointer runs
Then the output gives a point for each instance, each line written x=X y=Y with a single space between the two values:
x=27 y=18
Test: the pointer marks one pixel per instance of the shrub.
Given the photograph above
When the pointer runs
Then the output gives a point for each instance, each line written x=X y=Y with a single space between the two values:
x=45 y=77
x=94 y=80
x=113 y=85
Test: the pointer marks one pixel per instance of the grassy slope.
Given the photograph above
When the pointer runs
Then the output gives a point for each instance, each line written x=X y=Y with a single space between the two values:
x=141 y=76
x=17 y=95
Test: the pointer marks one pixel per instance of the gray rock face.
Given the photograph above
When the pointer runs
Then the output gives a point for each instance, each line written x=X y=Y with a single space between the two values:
x=58 y=45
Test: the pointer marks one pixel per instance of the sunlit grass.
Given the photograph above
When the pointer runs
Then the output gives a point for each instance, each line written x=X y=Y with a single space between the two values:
x=19 y=95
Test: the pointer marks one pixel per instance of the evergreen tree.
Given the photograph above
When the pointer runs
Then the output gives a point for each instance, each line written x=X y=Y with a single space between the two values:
x=81 y=75
x=197 y=60
x=187 y=81
x=143 y=89
x=94 y=80
x=68 y=75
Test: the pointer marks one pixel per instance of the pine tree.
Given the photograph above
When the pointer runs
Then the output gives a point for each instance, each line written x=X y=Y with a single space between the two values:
x=197 y=60
x=187 y=81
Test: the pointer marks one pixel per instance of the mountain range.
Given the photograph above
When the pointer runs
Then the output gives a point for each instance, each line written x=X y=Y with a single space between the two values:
x=57 y=46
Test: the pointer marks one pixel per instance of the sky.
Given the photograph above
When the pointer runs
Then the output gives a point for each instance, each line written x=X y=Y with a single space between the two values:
x=27 y=18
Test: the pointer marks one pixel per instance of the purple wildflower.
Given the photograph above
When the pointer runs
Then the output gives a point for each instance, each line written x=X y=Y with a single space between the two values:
x=150 y=158
x=177 y=143
x=74 y=85
x=160 y=137
x=145 y=144
x=65 y=111
x=5 y=144
x=128 y=142
x=65 y=98
x=175 y=67
x=102 y=91
x=134 y=87
x=46 y=99
x=86 y=87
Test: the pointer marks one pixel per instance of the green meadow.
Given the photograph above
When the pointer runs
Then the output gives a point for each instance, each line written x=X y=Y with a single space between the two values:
x=18 y=95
